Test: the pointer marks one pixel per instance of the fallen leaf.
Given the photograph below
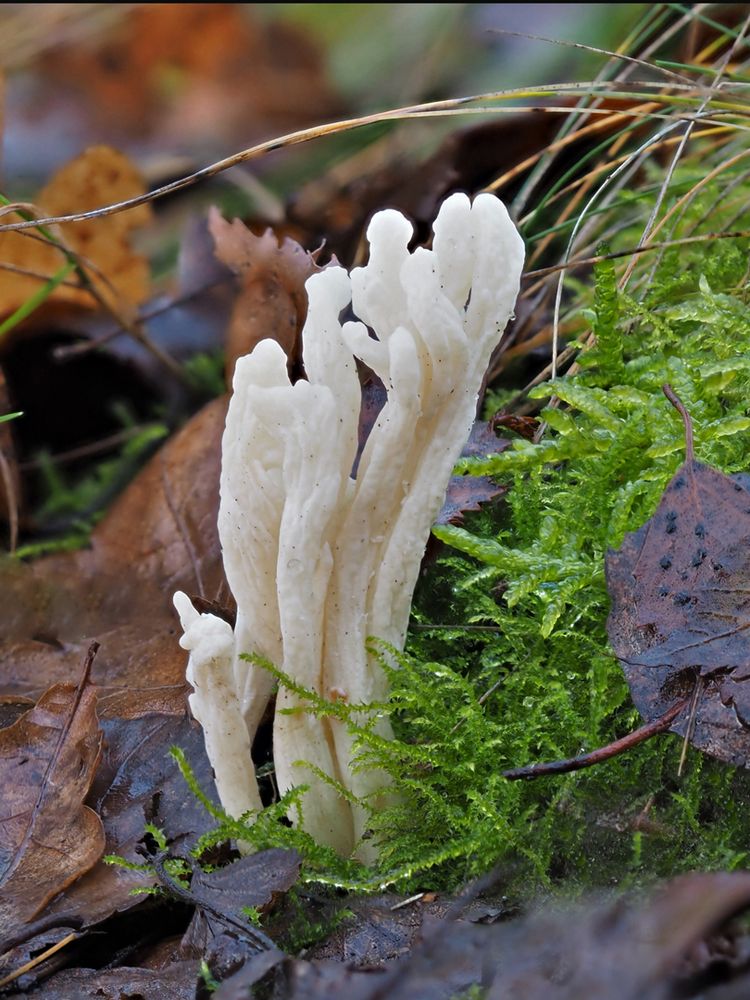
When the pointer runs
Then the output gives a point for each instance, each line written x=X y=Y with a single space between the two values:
x=174 y=982
x=48 y=837
x=617 y=949
x=138 y=782
x=97 y=177
x=220 y=931
x=467 y=493
x=27 y=953
x=679 y=618
x=160 y=536
x=272 y=301
x=380 y=930
x=256 y=968
x=252 y=881
x=525 y=427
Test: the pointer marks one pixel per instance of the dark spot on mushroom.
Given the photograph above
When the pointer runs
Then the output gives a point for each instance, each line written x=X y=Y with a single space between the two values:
x=700 y=530
x=681 y=598
x=665 y=562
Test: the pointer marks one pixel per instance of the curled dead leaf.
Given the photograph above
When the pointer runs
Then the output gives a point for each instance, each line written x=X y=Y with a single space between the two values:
x=272 y=301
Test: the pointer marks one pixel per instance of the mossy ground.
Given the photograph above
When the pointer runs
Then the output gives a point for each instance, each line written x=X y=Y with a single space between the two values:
x=534 y=570
x=520 y=669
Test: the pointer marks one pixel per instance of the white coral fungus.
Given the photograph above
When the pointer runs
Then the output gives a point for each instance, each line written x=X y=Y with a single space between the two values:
x=319 y=561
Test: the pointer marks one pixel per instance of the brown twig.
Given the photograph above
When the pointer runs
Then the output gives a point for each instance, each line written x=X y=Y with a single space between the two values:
x=37 y=960
x=450 y=107
x=675 y=400
x=639 y=735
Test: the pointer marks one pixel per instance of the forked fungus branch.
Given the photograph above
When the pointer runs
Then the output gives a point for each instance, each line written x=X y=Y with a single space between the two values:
x=319 y=561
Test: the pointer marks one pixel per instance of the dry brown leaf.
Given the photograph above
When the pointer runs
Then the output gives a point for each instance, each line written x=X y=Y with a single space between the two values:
x=97 y=177
x=138 y=782
x=48 y=838
x=160 y=536
x=272 y=301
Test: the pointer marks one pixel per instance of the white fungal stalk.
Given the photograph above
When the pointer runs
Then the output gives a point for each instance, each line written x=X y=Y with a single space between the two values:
x=319 y=561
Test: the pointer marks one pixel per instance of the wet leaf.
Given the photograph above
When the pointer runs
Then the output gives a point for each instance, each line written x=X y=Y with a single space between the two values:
x=680 y=607
x=220 y=930
x=252 y=881
x=616 y=949
x=138 y=782
x=48 y=837
x=220 y=923
x=379 y=930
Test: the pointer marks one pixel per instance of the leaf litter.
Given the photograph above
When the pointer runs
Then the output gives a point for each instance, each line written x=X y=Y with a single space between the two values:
x=680 y=591
x=660 y=948
x=679 y=588
x=49 y=838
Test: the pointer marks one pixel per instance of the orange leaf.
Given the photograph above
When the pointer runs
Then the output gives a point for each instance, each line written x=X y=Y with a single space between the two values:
x=97 y=177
